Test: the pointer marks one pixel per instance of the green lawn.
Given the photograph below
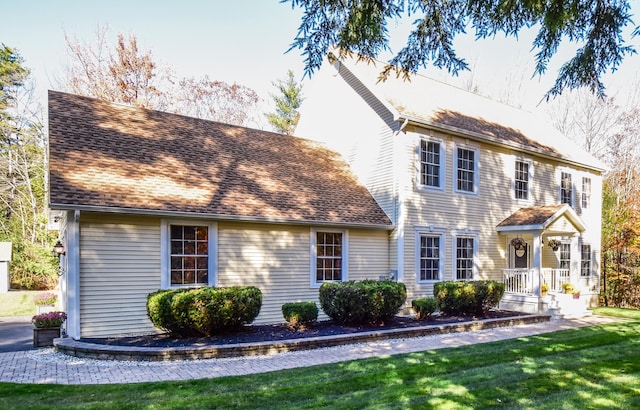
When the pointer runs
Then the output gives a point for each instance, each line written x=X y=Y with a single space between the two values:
x=595 y=368
x=19 y=302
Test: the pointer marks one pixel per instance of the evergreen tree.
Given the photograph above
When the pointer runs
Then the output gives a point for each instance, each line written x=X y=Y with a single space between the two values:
x=596 y=27
x=286 y=117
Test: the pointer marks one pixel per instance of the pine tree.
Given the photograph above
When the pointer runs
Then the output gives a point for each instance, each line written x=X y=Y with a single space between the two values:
x=286 y=117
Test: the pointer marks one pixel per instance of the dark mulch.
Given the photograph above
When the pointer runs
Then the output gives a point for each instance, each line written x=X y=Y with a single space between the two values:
x=263 y=333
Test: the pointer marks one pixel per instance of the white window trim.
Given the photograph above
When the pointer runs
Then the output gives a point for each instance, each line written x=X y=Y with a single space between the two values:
x=313 y=251
x=165 y=253
x=476 y=167
x=590 y=197
x=574 y=175
x=466 y=233
x=591 y=260
x=430 y=231
x=443 y=161
x=528 y=161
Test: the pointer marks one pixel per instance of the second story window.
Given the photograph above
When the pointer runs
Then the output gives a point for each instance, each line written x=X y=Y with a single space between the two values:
x=465 y=170
x=586 y=193
x=521 y=179
x=566 y=190
x=430 y=164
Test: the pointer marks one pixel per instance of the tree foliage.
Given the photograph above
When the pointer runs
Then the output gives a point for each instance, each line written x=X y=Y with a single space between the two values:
x=361 y=27
x=23 y=218
x=128 y=75
x=286 y=117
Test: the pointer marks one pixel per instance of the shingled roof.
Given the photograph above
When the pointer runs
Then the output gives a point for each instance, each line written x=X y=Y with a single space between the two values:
x=108 y=157
x=438 y=105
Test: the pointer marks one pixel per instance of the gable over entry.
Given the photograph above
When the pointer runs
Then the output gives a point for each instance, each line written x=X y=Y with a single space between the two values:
x=527 y=273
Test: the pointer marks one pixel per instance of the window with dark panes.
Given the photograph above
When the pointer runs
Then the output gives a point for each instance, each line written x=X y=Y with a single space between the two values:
x=464 y=258
x=429 y=257
x=328 y=256
x=586 y=193
x=522 y=180
x=585 y=260
x=566 y=189
x=189 y=255
x=466 y=170
x=565 y=256
x=430 y=163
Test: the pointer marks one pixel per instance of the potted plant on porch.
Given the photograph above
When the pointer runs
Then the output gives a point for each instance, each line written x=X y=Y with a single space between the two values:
x=554 y=244
x=47 y=327
x=567 y=288
x=544 y=288
x=576 y=294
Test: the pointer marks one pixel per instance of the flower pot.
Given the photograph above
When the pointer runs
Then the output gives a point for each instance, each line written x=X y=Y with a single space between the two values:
x=576 y=296
x=44 y=336
x=543 y=293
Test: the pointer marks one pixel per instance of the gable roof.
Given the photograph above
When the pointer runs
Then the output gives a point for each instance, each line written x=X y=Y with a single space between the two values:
x=540 y=218
x=113 y=158
x=437 y=105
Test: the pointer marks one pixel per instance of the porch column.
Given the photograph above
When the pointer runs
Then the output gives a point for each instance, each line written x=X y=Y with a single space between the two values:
x=537 y=262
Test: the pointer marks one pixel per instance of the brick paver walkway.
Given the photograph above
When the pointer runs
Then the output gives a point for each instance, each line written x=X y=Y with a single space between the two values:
x=47 y=366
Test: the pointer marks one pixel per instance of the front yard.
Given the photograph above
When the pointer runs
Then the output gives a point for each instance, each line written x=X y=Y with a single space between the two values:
x=596 y=367
x=19 y=302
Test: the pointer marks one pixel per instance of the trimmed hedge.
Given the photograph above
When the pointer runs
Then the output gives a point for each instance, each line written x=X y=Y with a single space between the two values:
x=300 y=315
x=362 y=302
x=424 y=307
x=468 y=298
x=203 y=311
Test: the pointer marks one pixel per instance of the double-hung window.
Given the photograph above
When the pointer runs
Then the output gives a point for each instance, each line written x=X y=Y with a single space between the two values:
x=565 y=256
x=521 y=180
x=566 y=189
x=329 y=254
x=464 y=257
x=430 y=257
x=188 y=254
x=466 y=169
x=585 y=260
x=586 y=193
x=431 y=163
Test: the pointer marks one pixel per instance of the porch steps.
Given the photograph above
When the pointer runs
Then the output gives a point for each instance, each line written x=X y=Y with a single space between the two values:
x=556 y=305
x=564 y=306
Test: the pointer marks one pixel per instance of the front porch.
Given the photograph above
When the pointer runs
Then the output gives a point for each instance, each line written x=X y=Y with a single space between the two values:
x=524 y=292
x=544 y=254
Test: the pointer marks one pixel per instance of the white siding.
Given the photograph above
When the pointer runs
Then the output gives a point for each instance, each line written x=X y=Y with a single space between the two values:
x=481 y=213
x=119 y=267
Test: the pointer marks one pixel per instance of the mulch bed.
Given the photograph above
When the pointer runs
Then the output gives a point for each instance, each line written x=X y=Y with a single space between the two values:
x=275 y=332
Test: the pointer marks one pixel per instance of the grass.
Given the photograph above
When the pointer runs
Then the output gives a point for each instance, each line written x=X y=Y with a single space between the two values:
x=594 y=367
x=19 y=302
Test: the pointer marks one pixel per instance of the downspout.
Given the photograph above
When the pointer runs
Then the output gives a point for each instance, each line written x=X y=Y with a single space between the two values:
x=400 y=214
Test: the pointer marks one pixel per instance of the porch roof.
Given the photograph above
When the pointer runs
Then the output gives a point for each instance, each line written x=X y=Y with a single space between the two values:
x=560 y=219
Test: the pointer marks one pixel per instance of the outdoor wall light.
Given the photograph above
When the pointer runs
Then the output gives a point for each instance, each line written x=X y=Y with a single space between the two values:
x=58 y=249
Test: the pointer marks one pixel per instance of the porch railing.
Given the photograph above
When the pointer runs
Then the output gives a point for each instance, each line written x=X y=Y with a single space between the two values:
x=554 y=278
x=518 y=281
x=523 y=281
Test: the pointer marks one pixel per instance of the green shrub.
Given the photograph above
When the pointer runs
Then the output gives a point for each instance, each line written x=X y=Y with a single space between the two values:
x=424 y=307
x=203 y=311
x=468 y=298
x=300 y=315
x=362 y=302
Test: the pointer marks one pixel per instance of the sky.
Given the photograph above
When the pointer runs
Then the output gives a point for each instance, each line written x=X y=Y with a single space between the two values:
x=246 y=42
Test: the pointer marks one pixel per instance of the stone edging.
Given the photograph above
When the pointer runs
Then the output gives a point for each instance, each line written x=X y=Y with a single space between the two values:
x=75 y=348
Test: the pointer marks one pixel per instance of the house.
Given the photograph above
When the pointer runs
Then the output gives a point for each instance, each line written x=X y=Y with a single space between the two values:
x=149 y=200
x=475 y=189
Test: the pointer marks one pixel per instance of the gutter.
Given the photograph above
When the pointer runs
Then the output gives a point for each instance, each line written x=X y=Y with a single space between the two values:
x=217 y=217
